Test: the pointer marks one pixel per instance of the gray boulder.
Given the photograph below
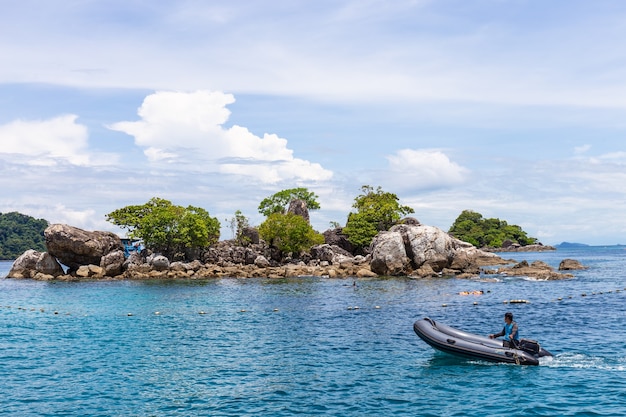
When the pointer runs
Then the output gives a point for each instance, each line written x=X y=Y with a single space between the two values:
x=159 y=263
x=113 y=263
x=300 y=208
x=23 y=265
x=48 y=265
x=75 y=247
x=408 y=248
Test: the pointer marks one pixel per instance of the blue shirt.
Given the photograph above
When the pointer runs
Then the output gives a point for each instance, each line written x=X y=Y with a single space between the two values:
x=508 y=329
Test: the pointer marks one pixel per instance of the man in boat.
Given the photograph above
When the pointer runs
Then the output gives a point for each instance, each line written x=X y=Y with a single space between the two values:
x=509 y=331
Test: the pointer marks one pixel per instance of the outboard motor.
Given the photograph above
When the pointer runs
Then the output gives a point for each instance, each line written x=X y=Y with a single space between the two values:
x=530 y=346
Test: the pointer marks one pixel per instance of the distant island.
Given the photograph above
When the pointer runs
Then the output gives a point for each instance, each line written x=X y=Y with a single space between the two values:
x=571 y=245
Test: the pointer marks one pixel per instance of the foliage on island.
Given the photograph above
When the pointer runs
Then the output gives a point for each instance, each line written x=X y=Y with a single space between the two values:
x=288 y=232
x=471 y=227
x=168 y=229
x=19 y=233
x=376 y=211
x=278 y=203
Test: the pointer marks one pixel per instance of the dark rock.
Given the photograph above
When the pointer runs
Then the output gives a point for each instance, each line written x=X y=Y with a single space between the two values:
x=249 y=235
x=570 y=265
x=335 y=237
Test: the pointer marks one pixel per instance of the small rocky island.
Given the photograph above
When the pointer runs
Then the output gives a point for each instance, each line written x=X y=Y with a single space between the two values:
x=407 y=249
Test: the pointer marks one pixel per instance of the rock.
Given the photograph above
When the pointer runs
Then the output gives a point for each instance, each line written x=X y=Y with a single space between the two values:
x=323 y=252
x=159 y=263
x=113 y=263
x=410 y=221
x=366 y=273
x=90 y=271
x=75 y=247
x=407 y=249
x=261 y=261
x=571 y=265
x=537 y=269
x=389 y=255
x=249 y=235
x=48 y=265
x=24 y=264
x=300 y=208
x=335 y=237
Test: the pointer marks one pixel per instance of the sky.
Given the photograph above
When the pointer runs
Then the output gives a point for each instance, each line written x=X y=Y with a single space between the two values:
x=515 y=109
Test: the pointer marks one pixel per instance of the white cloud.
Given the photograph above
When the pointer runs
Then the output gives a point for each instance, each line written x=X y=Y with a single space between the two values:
x=188 y=128
x=50 y=142
x=415 y=169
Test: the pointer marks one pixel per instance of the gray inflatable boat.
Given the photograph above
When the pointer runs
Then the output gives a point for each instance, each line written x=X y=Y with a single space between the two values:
x=457 y=342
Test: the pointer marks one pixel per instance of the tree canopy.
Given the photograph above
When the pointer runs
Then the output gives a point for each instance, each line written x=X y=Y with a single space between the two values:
x=19 y=233
x=376 y=210
x=278 y=202
x=166 y=228
x=289 y=233
x=471 y=227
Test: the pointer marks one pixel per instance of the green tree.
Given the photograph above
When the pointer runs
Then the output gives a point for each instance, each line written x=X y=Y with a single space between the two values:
x=19 y=233
x=376 y=211
x=473 y=228
x=237 y=224
x=289 y=233
x=278 y=202
x=168 y=229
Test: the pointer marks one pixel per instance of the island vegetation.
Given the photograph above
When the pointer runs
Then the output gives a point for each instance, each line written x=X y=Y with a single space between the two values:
x=18 y=233
x=473 y=228
x=185 y=232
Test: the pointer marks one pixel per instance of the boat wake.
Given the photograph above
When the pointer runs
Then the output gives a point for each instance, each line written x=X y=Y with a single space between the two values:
x=583 y=361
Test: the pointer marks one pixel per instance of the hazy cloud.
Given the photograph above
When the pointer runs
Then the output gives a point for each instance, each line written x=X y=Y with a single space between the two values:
x=47 y=142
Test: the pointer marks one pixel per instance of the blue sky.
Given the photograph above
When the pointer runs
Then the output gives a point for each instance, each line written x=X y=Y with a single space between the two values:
x=511 y=108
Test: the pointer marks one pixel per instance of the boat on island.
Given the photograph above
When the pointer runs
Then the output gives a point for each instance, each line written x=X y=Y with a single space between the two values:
x=468 y=345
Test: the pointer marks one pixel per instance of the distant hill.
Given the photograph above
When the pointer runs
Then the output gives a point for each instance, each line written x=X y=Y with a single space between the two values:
x=570 y=245
x=18 y=233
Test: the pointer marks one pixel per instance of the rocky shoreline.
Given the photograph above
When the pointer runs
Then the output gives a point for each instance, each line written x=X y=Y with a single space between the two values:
x=408 y=249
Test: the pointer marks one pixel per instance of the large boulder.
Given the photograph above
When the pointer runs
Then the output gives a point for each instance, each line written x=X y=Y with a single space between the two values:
x=24 y=264
x=75 y=247
x=407 y=248
x=32 y=262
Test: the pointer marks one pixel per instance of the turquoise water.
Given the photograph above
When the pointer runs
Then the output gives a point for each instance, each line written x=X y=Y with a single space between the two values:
x=301 y=347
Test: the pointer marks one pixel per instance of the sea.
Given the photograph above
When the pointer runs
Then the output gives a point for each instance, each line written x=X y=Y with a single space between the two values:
x=312 y=346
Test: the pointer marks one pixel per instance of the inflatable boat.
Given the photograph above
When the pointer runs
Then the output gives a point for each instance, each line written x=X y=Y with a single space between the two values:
x=457 y=342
